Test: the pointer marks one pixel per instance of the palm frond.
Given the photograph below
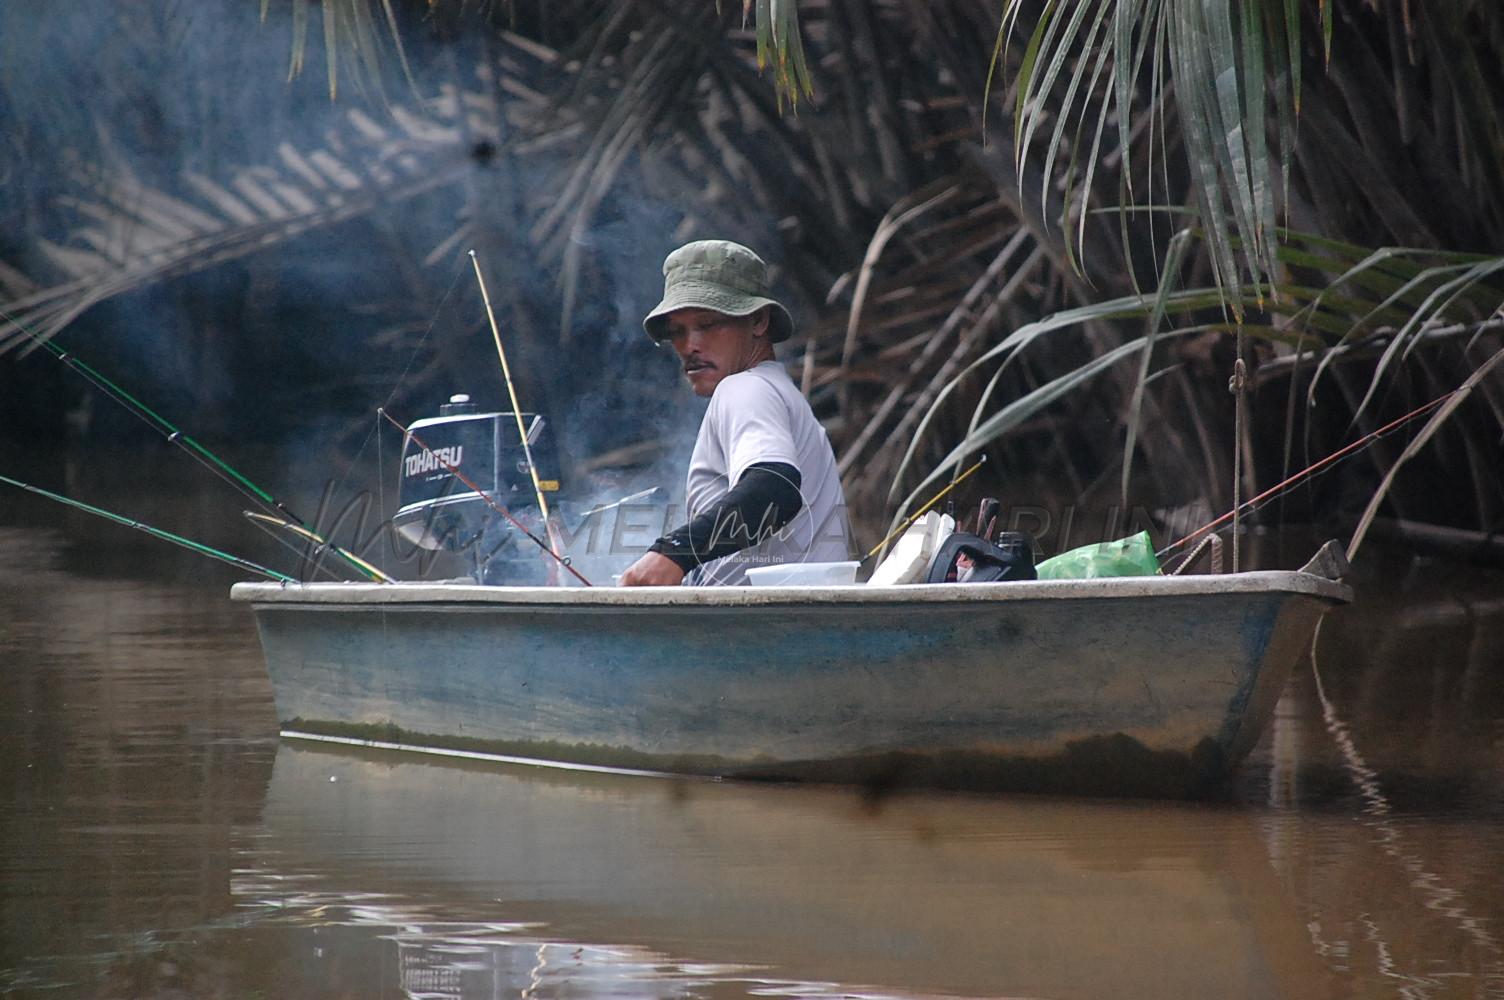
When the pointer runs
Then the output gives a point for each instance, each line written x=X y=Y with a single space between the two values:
x=131 y=233
x=1443 y=413
x=1015 y=412
x=1337 y=300
x=1085 y=62
x=360 y=28
x=918 y=259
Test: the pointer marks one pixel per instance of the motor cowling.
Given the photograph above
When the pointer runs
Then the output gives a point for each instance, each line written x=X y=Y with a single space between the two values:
x=439 y=510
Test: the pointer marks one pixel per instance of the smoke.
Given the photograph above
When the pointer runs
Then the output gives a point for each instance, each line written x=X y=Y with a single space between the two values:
x=134 y=97
x=188 y=108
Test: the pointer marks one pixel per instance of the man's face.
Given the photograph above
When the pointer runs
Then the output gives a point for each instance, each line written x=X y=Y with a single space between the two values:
x=712 y=345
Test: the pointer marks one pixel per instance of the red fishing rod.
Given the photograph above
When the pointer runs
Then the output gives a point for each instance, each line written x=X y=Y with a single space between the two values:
x=454 y=471
x=1311 y=470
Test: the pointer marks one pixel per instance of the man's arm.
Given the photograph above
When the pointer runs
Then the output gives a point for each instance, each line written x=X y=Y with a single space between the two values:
x=764 y=500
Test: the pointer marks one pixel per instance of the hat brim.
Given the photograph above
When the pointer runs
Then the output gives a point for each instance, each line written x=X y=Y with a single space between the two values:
x=719 y=298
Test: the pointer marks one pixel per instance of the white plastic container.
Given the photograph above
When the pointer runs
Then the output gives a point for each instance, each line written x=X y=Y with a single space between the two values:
x=910 y=558
x=830 y=574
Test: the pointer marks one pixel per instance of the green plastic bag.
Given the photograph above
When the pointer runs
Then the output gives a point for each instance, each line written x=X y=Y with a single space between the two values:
x=1132 y=556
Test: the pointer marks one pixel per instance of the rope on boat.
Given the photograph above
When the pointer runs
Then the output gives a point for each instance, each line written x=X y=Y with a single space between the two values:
x=1215 y=542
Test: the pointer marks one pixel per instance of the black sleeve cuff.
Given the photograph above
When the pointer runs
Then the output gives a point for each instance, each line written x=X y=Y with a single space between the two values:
x=766 y=499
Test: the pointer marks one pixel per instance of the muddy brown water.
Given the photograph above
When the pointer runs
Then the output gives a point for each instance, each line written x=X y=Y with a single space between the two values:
x=158 y=839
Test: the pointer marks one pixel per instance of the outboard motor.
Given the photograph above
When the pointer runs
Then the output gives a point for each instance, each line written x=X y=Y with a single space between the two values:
x=439 y=511
x=1011 y=557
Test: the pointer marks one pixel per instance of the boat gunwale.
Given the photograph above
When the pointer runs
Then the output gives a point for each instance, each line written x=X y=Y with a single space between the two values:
x=439 y=594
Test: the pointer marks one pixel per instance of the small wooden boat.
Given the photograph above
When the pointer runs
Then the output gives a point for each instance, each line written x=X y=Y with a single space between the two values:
x=1133 y=686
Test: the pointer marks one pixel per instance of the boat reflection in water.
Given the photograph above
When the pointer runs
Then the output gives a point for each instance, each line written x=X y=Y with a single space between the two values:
x=483 y=880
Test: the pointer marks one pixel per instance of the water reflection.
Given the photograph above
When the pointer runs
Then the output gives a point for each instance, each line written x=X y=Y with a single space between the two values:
x=1386 y=781
x=922 y=893
x=160 y=841
x=135 y=738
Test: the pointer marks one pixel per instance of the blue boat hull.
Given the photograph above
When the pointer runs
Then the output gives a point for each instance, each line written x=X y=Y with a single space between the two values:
x=1129 y=687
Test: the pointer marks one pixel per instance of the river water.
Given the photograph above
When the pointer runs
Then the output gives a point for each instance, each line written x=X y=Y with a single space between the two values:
x=159 y=840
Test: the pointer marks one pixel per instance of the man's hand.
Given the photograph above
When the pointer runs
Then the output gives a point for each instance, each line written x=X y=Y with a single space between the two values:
x=653 y=570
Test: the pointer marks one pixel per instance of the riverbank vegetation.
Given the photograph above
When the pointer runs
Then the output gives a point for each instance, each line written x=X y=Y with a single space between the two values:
x=1051 y=242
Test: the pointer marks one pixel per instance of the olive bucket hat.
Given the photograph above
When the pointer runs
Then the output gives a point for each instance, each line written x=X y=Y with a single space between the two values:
x=718 y=275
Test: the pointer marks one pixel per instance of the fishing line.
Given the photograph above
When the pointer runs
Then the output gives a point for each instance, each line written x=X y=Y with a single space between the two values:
x=1324 y=465
x=167 y=536
x=174 y=435
x=380 y=475
x=397 y=385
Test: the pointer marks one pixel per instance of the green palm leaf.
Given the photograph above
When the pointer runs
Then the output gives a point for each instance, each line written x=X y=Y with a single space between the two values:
x=1392 y=296
x=1218 y=58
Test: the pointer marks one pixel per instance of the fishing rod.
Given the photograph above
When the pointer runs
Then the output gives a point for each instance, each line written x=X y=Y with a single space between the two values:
x=454 y=471
x=317 y=541
x=506 y=373
x=1345 y=452
x=199 y=452
x=924 y=507
x=602 y=508
x=167 y=536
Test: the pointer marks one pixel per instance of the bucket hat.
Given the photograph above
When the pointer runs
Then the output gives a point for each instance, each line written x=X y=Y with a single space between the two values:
x=718 y=275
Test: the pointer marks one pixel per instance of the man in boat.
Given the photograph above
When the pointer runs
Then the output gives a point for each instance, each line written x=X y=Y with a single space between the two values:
x=762 y=487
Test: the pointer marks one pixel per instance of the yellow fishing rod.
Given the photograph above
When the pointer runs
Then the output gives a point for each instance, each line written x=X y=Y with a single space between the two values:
x=318 y=541
x=506 y=373
x=923 y=508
